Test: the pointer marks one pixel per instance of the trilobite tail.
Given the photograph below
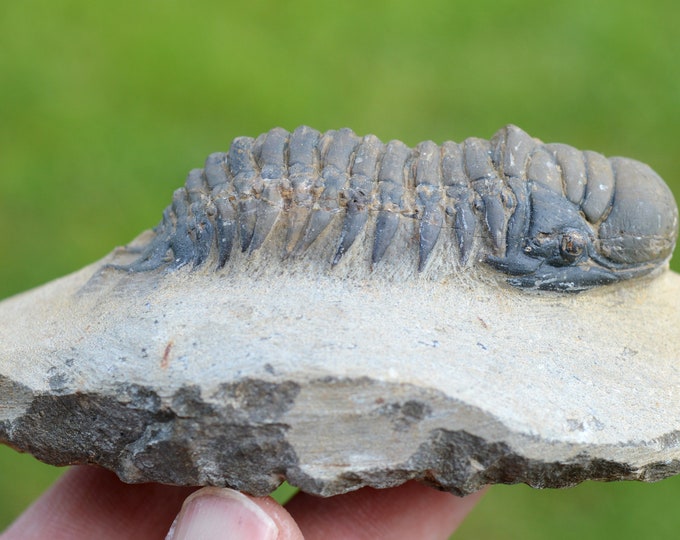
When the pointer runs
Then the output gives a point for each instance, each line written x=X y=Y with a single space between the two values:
x=154 y=256
x=161 y=249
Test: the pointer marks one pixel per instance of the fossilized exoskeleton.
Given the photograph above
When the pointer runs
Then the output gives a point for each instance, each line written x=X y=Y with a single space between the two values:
x=549 y=216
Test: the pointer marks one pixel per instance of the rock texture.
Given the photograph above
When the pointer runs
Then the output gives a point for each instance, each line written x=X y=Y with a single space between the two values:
x=201 y=378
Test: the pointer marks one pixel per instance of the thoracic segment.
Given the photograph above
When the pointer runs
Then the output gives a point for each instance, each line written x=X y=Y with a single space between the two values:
x=523 y=207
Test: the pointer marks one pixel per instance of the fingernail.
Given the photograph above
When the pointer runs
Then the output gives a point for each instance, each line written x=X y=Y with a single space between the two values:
x=217 y=514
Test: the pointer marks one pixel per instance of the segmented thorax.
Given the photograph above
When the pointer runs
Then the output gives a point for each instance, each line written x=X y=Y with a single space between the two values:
x=546 y=215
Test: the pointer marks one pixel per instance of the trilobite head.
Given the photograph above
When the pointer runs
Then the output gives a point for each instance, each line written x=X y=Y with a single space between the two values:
x=642 y=226
x=562 y=249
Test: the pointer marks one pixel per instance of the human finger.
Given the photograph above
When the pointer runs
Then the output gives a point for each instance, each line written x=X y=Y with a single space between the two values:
x=90 y=502
x=411 y=510
x=219 y=513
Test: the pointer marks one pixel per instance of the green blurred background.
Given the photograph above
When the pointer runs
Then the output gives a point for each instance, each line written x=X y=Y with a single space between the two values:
x=105 y=106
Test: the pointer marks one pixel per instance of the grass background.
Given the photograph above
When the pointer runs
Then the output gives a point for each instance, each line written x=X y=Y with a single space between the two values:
x=105 y=106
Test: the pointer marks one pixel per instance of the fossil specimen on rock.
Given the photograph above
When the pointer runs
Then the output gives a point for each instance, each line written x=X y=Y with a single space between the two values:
x=339 y=312
x=548 y=214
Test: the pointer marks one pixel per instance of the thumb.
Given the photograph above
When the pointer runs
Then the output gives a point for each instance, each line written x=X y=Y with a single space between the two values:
x=216 y=514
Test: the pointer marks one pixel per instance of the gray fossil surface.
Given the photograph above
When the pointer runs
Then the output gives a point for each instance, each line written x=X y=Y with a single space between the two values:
x=244 y=379
x=549 y=217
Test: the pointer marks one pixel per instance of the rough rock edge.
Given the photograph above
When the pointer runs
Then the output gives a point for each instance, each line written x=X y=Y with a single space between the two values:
x=145 y=438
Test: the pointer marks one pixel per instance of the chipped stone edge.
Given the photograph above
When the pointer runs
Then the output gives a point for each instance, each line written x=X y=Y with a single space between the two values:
x=144 y=437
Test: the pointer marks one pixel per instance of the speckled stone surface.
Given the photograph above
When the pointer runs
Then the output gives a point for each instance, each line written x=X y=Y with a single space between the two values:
x=245 y=379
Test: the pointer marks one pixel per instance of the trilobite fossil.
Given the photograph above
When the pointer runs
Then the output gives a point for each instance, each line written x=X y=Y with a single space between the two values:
x=548 y=216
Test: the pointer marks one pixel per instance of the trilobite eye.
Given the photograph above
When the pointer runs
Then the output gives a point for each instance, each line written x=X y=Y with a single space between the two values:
x=572 y=246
